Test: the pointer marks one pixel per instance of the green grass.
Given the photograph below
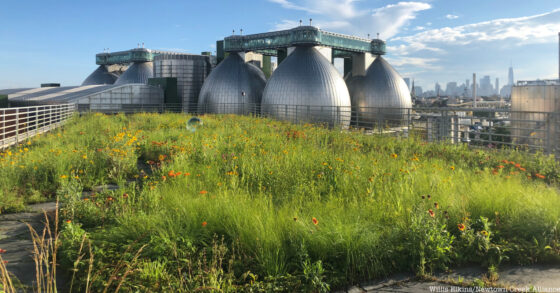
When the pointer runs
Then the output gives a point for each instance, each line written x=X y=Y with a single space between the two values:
x=240 y=215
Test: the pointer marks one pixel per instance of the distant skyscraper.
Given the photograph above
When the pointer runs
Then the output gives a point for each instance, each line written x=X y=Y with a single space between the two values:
x=407 y=81
x=510 y=76
x=467 y=83
x=506 y=90
x=437 y=89
x=418 y=91
x=451 y=89
x=497 y=89
x=486 y=88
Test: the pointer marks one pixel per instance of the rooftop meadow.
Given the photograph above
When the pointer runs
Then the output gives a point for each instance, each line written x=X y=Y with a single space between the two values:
x=252 y=204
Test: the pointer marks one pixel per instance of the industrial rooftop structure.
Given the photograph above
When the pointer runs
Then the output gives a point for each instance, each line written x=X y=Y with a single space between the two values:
x=268 y=43
x=357 y=52
x=305 y=78
x=132 y=56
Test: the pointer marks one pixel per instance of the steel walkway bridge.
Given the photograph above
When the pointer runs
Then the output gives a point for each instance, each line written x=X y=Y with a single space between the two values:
x=278 y=43
x=133 y=55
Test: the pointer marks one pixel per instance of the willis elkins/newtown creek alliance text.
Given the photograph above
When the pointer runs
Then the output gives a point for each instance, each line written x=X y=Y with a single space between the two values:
x=490 y=289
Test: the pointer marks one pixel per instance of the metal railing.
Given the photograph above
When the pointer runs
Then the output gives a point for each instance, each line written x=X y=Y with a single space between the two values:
x=477 y=127
x=19 y=124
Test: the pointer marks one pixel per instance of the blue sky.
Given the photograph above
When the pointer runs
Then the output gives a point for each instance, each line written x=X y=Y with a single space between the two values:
x=436 y=40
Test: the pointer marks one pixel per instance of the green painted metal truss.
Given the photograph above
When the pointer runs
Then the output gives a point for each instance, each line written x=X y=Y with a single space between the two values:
x=269 y=43
x=125 y=57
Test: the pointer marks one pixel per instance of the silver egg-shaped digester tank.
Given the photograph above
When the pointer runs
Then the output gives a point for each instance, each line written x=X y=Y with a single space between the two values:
x=233 y=87
x=100 y=76
x=307 y=88
x=381 y=97
x=138 y=72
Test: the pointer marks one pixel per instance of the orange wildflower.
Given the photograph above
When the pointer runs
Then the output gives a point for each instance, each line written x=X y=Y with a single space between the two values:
x=461 y=227
x=204 y=224
x=186 y=174
x=203 y=192
x=436 y=205
x=109 y=199
x=163 y=178
x=315 y=221
x=432 y=214
x=68 y=221
x=452 y=168
x=171 y=174
x=517 y=165
x=125 y=195
x=540 y=176
x=394 y=156
x=500 y=166
x=523 y=169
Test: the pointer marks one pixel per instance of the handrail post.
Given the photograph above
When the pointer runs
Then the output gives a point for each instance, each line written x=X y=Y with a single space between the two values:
x=548 y=120
x=27 y=124
x=3 y=127
x=408 y=121
x=379 y=120
x=17 y=126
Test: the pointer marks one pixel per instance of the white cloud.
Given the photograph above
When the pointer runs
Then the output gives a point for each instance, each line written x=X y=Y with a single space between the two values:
x=391 y=18
x=346 y=17
x=180 y=50
x=454 y=52
x=451 y=16
x=343 y=8
x=541 y=28
x=285 y=24
x=287 y=4
x=425 y=63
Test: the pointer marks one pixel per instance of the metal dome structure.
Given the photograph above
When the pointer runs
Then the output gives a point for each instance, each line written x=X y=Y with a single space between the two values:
x=381 y=95
x=100 y=76
x=307 y=87
x=233 y=87
x=137 y=73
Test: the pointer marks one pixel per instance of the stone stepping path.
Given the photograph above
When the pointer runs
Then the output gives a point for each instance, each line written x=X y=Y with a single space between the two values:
x=539 y=278
x=15 y=238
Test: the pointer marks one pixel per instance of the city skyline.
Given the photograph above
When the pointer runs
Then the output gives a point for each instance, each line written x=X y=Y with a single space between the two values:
x=484 y=84
x=426 y=40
